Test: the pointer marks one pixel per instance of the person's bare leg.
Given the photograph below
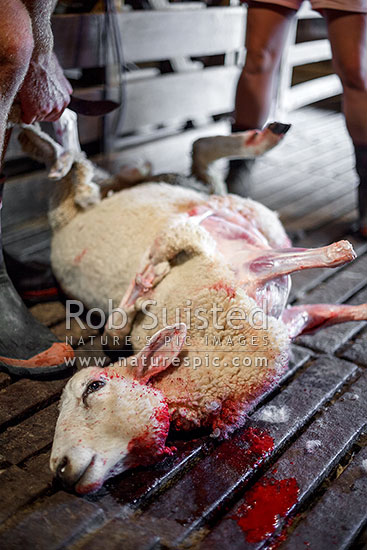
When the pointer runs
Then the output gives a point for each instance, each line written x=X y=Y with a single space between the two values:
x=348 y=38
x=307 y=318
x=266 y=33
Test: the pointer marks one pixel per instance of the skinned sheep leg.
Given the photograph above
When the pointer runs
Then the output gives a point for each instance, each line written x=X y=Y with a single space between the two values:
x=165 y=248
x=187 y=236
x=307 y=318
x=144 y=281
x=274 y=263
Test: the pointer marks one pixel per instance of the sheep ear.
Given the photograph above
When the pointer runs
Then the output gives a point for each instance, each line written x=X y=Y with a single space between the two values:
x=158 y=355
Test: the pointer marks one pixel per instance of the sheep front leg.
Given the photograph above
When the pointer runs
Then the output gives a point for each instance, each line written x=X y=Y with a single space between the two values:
x=184 y=235
x=144 y=281
x=306 y=318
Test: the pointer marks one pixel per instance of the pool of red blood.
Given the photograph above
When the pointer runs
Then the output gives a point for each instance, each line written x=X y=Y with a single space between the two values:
x=260 y=443
x=266 y=503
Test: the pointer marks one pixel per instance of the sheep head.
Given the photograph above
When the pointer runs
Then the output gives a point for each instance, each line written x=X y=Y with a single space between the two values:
x=111 y=419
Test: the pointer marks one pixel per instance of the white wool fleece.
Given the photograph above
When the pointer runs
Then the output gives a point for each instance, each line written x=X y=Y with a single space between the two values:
x=99 y=251
x=97 y=254
x=201 y=393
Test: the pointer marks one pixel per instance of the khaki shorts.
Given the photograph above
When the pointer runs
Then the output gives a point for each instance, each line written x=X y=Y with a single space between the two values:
x=359 y=6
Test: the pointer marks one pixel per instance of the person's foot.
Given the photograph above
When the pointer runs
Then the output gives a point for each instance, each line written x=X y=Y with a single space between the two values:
x=239 y=178
x=357 y=229
x=33 y=280
x=363 y=228
x=27 y=348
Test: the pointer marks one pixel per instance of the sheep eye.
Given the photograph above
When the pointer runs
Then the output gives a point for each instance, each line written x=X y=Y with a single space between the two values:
x=96 y=385
x=93 y=387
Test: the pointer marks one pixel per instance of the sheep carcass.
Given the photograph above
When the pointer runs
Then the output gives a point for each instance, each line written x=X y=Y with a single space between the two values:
x=164 y=248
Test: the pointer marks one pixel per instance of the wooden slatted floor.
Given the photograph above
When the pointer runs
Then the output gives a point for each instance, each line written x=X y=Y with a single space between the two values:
x=195 y=498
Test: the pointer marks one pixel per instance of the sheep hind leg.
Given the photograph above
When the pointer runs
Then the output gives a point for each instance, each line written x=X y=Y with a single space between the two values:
x=274 y=263
x=307 y=318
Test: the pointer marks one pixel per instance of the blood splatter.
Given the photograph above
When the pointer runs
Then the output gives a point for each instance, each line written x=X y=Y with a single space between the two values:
x=196 y=210
x=260 y=442
x=221 y=285
x=266 y=503
x=145 y=448
x=90 y=488
x=78 y=258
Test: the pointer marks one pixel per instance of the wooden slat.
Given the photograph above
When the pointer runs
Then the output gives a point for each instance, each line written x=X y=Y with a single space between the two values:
x=166 y=99
x=138 y=486
x=169 y=154
x=340 y=514
x=311 y=91
x=180 y=96
x=26 y=397
x=309 y=52
x=317 y=197
x=30 y=437
x=214 y=480
x=338 y=206
x=150 y=35
x=357 y=351
x=116 y=535
x=308 y=468
x=54 y=525
x=16 y=489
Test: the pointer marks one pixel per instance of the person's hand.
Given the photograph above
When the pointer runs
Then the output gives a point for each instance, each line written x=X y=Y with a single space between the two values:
x=45 y=91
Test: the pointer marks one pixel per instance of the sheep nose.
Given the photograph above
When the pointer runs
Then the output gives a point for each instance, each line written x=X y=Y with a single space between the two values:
x=69 y=470
x=65 y=473
x=62 y=467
